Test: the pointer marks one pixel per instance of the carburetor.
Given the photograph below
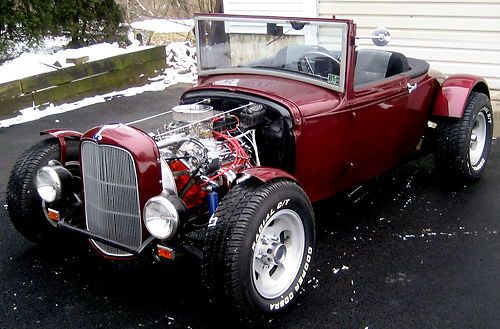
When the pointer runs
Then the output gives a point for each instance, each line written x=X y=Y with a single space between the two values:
x=197 y=115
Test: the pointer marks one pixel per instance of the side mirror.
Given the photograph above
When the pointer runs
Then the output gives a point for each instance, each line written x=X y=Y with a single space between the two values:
x=380 y=37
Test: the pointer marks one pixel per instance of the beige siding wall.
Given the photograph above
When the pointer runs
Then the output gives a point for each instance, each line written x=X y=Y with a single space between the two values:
x=455 y=36
x=291 y=8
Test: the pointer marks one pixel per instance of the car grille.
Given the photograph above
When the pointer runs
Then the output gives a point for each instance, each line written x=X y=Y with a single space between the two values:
x=112 y=207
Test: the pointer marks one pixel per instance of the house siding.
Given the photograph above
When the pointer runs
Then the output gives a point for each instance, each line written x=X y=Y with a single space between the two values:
x=453 y=36
x=291 y=8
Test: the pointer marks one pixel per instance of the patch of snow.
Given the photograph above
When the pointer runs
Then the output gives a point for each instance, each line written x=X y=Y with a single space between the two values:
x=343 y=268
x=408 y=236
x=407 y=202
x=131 y=38
x=43 y=60
x=181 y=58
x=165 y=25
x=51 y=43
x=33 y=113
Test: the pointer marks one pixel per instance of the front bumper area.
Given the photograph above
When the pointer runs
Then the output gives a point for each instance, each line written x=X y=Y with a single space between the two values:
x=151 y=246
x=134 y=251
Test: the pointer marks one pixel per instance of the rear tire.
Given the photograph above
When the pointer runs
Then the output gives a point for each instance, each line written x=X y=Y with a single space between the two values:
x=23 y=202
x=463 y=145
x=258 y=249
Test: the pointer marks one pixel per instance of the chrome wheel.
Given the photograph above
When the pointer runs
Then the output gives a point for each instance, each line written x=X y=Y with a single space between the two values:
x=278 y=254
x=257 y=255
x=477 y=138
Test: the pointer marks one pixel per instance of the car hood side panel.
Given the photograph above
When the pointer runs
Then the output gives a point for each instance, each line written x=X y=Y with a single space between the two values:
x=309 y=99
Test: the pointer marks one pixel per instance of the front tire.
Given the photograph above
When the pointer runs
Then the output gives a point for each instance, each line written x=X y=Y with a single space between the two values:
x=258 y=249
x=463 y=145
x=23 y=202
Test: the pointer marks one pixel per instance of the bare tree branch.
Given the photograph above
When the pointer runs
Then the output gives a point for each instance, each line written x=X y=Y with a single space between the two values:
x=144 y=8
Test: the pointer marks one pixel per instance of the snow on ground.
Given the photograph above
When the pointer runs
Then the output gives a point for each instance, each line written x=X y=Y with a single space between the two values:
x=165 y=25
x=181 y=62
x=181 y=66
x=42 y=60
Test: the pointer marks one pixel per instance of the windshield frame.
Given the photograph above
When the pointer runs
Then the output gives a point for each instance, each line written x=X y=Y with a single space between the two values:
x=342 y=24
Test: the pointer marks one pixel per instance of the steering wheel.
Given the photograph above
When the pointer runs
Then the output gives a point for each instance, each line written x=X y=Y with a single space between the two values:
x=304 y=63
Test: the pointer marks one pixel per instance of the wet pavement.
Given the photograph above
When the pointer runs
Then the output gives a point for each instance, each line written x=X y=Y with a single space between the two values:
x=410 y=252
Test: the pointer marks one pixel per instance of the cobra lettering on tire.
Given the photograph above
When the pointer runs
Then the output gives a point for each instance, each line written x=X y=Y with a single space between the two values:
x=257 y=255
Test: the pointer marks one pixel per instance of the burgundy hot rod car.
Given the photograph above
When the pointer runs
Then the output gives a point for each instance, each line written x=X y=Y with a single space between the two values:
x=287 y=111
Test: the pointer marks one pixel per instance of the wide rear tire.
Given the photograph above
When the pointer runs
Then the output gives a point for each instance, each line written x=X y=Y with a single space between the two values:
x=463 y=145
x=258 y=249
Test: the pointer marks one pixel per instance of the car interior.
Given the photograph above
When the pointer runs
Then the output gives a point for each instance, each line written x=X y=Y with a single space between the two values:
x=292 y=57
x=374 y=65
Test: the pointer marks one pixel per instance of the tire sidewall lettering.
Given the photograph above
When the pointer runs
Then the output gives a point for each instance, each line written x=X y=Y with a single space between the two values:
x=266 y=219
x=291 y=202
x=489 y=116
x=283 y=301
x=477 y=169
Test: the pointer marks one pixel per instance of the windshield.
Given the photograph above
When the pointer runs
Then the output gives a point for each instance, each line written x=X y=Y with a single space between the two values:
x=307 y=50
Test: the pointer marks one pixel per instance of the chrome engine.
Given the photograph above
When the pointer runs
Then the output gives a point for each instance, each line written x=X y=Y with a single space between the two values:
x=201 y=152
x=210 y=143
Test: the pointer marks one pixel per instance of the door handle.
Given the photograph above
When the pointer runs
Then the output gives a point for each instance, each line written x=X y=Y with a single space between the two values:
x=411 y=87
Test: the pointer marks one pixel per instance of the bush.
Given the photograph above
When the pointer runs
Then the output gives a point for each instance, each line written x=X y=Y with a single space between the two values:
x=23 y=21
x=89 y=21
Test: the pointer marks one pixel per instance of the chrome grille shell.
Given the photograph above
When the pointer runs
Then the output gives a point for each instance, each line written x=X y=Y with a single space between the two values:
x=111 y=194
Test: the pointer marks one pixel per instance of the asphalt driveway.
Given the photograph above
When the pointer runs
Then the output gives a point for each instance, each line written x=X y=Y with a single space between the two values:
x=408 y=252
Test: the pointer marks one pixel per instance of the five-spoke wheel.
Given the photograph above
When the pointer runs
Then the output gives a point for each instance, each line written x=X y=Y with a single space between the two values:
x=277 y=256
x=258 y=248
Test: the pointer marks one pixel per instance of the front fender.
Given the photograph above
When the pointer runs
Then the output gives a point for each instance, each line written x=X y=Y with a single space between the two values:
x=265 y=174
x=454 y=93
x=62 y=135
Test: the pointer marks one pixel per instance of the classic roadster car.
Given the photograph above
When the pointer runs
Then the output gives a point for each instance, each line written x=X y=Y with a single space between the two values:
x=287 y=111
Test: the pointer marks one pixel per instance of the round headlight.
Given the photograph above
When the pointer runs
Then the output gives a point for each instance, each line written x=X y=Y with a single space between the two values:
x=48 y=184
x=160 y=217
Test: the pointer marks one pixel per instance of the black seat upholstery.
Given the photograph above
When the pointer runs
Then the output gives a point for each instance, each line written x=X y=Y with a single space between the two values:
x=398 y=63
x=375 y=65
x=418 y=67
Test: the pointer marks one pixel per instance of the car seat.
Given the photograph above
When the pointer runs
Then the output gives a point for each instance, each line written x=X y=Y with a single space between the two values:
x=375 y=65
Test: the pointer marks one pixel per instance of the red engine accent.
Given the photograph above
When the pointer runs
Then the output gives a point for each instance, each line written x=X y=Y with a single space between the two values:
x=241 y=158
x=195 y=195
